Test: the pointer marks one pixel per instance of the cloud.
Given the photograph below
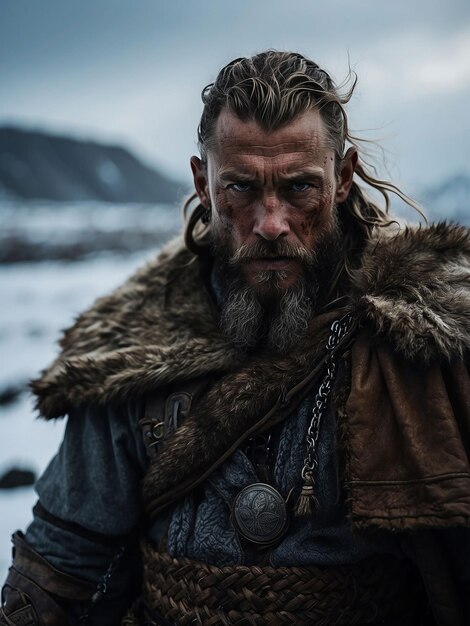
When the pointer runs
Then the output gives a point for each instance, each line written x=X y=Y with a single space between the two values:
x=121 y=72
x=416 y=65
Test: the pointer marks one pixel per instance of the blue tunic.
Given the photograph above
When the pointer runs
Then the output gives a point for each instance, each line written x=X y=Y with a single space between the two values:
x=94 y=481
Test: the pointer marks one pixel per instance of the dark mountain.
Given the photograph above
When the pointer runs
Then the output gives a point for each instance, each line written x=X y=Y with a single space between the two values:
x=38 y=165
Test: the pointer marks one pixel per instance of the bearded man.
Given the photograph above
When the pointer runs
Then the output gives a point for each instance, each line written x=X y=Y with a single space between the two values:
x=270 y=423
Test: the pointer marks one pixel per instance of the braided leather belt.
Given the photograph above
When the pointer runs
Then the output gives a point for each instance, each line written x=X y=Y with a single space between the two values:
x=379 y=590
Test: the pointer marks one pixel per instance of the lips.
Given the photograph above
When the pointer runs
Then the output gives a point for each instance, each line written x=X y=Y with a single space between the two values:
x=271 y=263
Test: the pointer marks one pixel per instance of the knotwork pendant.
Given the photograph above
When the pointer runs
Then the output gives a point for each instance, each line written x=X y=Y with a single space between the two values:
x=259 y=514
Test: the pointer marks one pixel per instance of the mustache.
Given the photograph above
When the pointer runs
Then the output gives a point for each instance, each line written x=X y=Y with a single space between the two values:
x=264 y=249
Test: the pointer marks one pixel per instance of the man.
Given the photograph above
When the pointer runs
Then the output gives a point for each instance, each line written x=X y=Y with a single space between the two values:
x=270 y=423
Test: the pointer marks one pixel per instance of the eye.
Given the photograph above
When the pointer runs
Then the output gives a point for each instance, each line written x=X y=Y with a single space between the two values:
x=300 y=187
x=240 y=187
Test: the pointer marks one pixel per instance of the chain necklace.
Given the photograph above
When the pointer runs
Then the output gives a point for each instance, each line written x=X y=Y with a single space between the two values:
x=259 y=511
x=339 y=329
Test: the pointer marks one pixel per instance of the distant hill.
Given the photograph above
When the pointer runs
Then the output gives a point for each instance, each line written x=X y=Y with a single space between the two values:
x=449 y=200
x=38 y=165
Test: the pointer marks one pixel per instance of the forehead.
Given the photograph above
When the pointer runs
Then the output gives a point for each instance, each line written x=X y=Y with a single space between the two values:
x=304 y=135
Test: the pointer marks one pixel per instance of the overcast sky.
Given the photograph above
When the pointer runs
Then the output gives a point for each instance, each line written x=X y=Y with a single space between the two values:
x=131 y=71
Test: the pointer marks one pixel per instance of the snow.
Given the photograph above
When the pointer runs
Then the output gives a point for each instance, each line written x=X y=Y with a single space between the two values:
x=38 y=300
x=15 y=514
x=49 y=224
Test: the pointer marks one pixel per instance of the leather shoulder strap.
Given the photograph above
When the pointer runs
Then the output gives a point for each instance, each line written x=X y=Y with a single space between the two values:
x=165 y=410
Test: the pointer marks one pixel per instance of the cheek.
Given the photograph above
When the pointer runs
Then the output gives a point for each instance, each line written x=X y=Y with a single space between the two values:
x=309 y=223
x=231 y=219
x=328 y=196
x=315 y=221
x=225 y=211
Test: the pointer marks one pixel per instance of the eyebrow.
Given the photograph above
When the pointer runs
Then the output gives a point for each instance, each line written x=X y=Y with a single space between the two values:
x=232 y=174
x=240 y=175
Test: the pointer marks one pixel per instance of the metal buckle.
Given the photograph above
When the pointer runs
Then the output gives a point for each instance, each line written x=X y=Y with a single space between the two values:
x=259 y=514
x=158 y=432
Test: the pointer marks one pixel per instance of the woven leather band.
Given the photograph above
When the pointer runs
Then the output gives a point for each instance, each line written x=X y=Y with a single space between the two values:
x=379 y=590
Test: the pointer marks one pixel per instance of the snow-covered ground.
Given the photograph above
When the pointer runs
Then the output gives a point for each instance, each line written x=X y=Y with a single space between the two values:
x=38 y=300
x=36 y=230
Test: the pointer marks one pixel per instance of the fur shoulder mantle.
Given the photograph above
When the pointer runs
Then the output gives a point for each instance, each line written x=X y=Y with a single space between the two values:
x=161 y=325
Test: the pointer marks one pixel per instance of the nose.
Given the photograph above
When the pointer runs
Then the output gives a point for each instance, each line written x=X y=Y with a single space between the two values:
x=271 y=219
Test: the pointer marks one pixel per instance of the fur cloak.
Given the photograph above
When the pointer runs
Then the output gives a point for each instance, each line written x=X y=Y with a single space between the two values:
x=407 y=465
x=161 y=325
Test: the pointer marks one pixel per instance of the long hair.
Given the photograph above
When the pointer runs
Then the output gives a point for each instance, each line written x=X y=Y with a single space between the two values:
x=272 y=88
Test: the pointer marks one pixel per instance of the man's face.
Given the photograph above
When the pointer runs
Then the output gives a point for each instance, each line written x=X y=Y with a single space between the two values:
x=272 y=197
x=278 y=185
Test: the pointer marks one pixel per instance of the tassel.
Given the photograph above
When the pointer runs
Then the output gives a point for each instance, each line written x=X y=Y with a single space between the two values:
x=307 y=503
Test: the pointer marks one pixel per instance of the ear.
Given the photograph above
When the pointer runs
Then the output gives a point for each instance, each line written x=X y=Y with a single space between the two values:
x=348 y=165
x=201 y=183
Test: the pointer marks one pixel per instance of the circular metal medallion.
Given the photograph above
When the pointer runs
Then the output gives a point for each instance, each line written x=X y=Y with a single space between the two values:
x=260 y=514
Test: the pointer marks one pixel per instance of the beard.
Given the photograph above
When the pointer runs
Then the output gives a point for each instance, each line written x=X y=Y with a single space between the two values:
x=269 y=315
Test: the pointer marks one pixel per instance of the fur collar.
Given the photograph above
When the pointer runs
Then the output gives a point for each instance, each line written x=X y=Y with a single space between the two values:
x=414 y=288
x=161 y=325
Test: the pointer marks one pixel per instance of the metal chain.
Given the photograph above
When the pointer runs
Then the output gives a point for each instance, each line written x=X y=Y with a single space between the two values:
x=339 y=329
x=102 y=587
